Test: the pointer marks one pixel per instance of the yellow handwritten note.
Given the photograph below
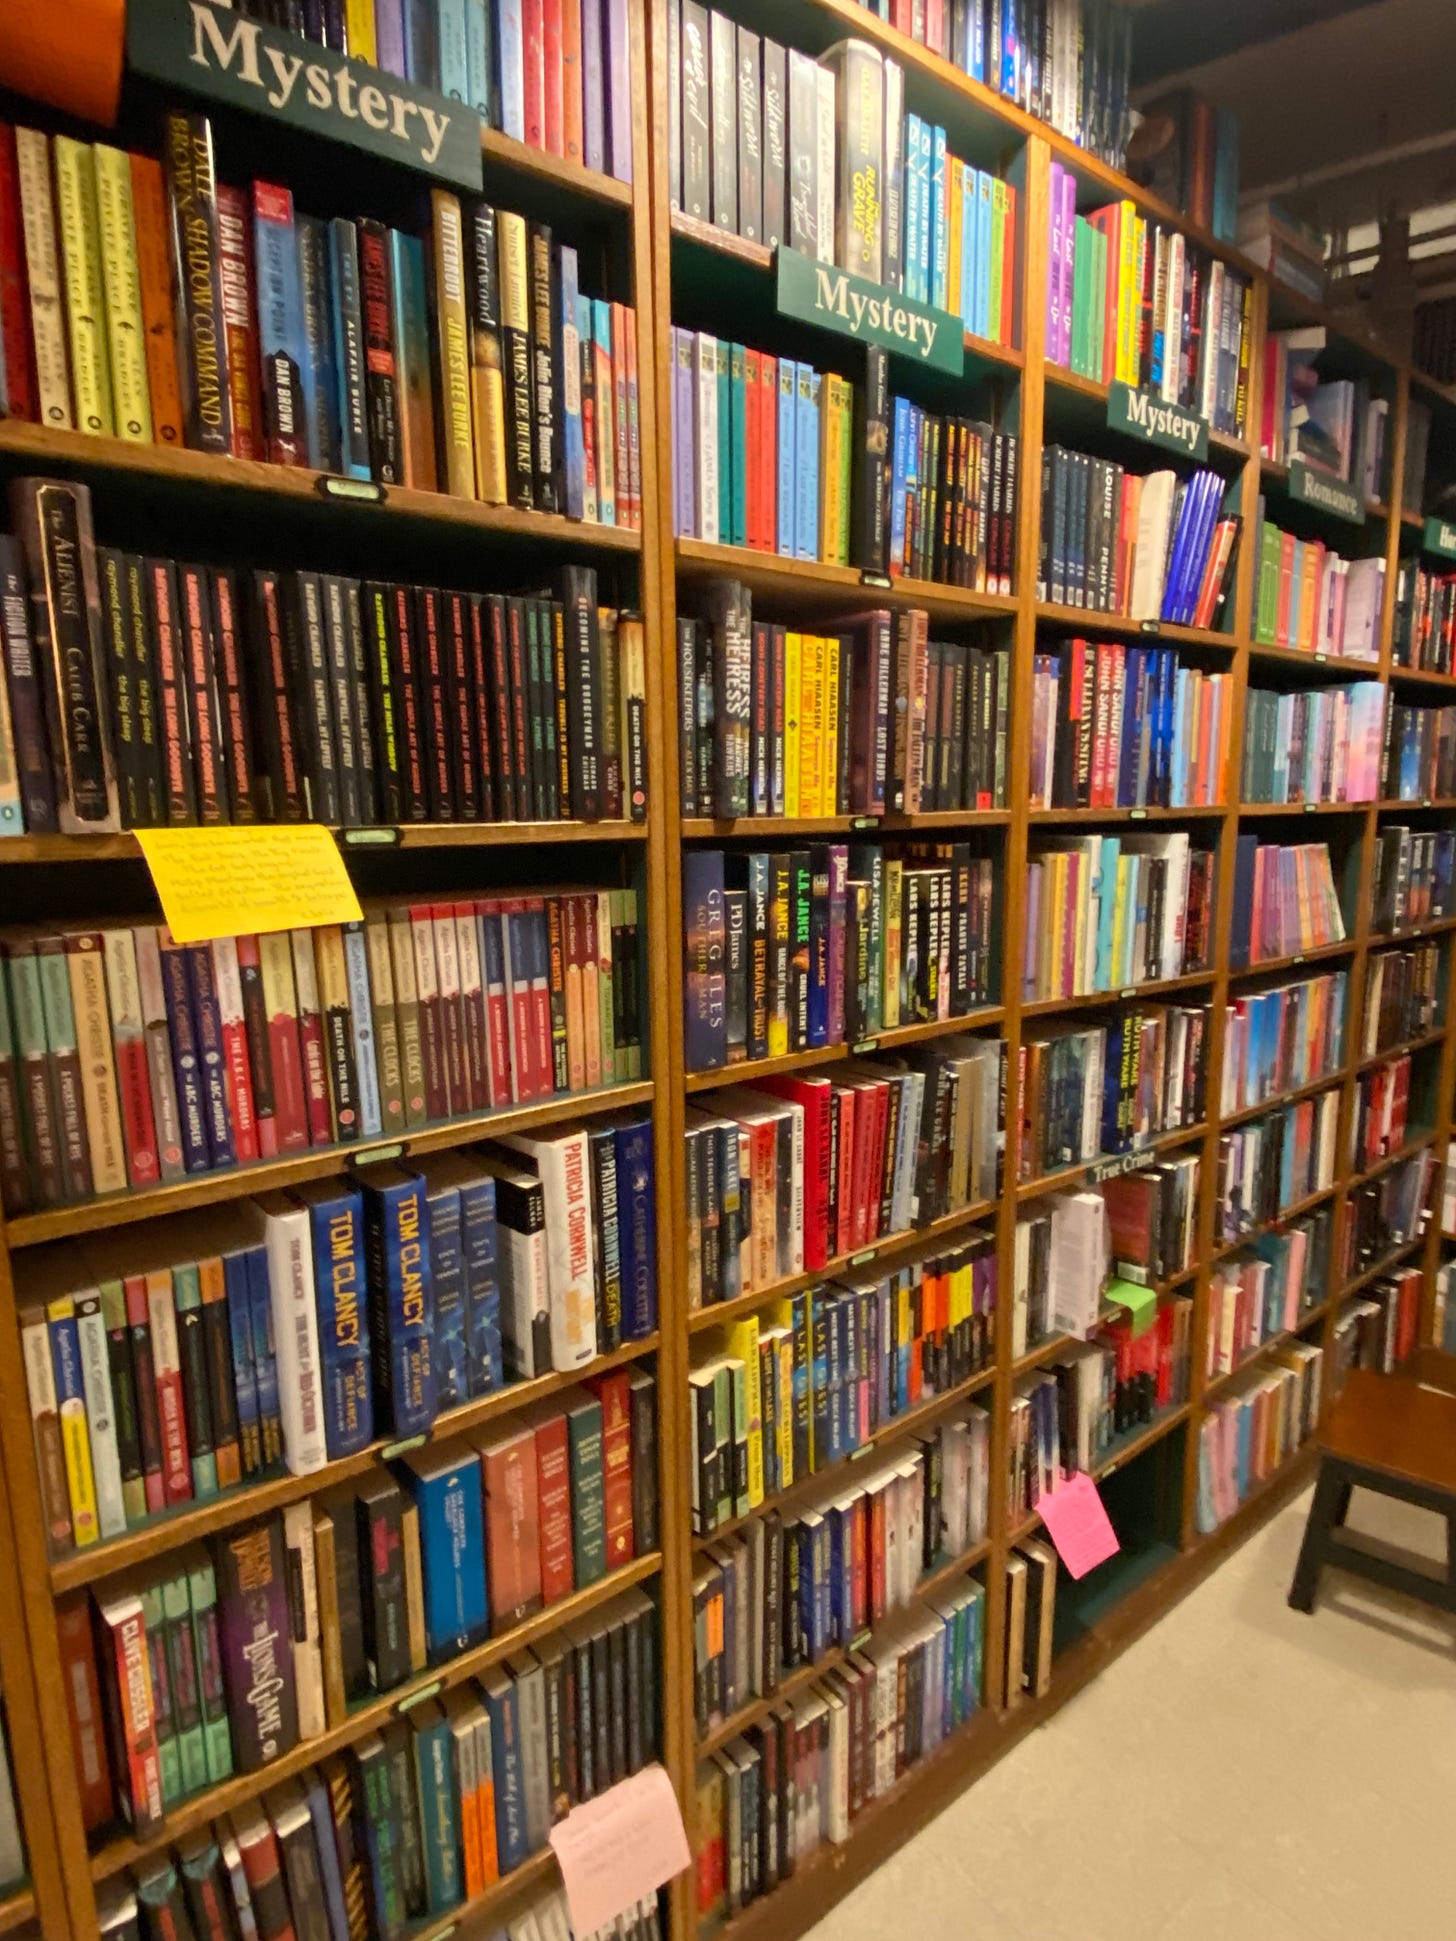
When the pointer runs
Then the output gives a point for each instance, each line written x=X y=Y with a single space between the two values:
x=230 y=882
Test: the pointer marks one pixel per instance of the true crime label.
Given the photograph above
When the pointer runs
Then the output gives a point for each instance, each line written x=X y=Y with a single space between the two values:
x=1439 y=537
x=1341 y=501
x=1139 y=413
x=835 y=299
x=212 y=51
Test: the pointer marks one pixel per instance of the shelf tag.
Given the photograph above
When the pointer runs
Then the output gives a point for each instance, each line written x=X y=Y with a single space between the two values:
x=359 y=491
x=412 y=1699
x=1297 y=960
x=1439 y=536
x=1310 y=807
x=881 y=581
x=1321 y=657
x=402 y=1447
x=249 y=877
x=1128 y=990
x=862 y=1258
x=864 y=1045
x=389 y=838
x=1137 y=815
x=861 y=1639
x=1137 y=413
x=864 y=822
x=376 y=1155
x=1150 y=626
x=1341 y=501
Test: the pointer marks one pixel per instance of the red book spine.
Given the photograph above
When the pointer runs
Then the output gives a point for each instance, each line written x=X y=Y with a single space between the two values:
x=259 y=1052
x=236 y=270
x=512 y=1528
x=129 y=1674
x=171 y=1416
x=285 y=1059
x=472 y=1007
x=877 y=1556
x=533 y=36
x=497 y=1007
x=83 y=1704
x=571 y=95
x=16 y=347
x=752 y=415
x=553 y=108
x=134 y=1085
x=314 y=1073
x=845 y=1102
x=866 y=1149
x=553 y=1492
x=432 y=1026
x=613 y=1394
x=139 y=1327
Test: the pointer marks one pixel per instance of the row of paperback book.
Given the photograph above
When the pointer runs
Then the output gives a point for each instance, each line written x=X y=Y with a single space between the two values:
x=1152 y=1218
x=827 y=1372
x=1274 y=1162
x=1090 y=1090
x=1380 y=1123
x=1061 y=1257
x=1253 y=1427
x=875 y=715
x=1308 y=596
x=776 y=456
x=159 y=298
x=794 y=1172
x=1335 y=426
x=1415 y=877
x=1420 y=753
x=1284 y=1039
x=127 y=1060
x=1402 y=997
x=1325 y=744
x=1119 y=727
x=801 y=948
x=1384 y=1214
x=1285 y=901
x=149 y=692
x=784 y=1591
x=293 y=1330
x=1150 y=546
x=1105 y=913
x=222 y=1661
x=559 y=80
x=1133 y=302
x=420 y=1817
x=1267 y=1291
x=1424 y=635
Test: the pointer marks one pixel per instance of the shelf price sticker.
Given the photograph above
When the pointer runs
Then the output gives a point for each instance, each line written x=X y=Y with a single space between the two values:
x=235 y=881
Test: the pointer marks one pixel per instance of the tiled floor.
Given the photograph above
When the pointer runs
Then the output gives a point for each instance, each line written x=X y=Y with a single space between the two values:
x=1240 y=1774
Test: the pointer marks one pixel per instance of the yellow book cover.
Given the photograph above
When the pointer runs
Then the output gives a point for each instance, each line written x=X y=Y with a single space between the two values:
x=793 y=659
x=487 y=375
x=1050 y=954
x=1084 y=869
x=1129 y=294
x=125 y=329
x=955 y=175
x=997 y=268
x=784 y=1427
x=85 y=298
x=43 y=277
x=890 y=970
x=846 y=470
x=1119 y=925
x=811 y=712
x=453 y=345
x=75 y=1435
x=741 y=1342
x=359 y=26
x=829 y=794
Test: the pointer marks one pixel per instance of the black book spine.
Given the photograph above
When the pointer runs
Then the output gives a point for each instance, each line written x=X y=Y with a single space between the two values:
x=870 y=537
x=696 y=191
x=381 y=375
x=234 y=715
x=465 y=764
x=583 y=658
x=310 y=658
x=538 y=701
x=197 y=276
x=345 y=697
x=561 y=711
x=121 y=687
x=27 y=700
x=775 y=144
x=164 y=613
x=520 y=702
x=494 y=620
x=383 y=700
x=434 y=704
x=203 y=710
x=268 y=665
x=544 y=408
x=381 y=1583
x=361 y=716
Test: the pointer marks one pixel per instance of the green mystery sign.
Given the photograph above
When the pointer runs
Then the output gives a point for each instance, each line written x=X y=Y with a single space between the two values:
x=1140 y=413
x=224 y=56
x=835 y=299
x=1326 y=494
x=1439 y=537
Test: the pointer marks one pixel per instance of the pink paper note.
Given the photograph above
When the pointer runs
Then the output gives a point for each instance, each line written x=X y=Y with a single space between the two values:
x=1077 y=1524
x=620 y=1847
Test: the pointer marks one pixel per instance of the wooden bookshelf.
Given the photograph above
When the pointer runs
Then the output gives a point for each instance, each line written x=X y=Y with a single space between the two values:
x=658 y=245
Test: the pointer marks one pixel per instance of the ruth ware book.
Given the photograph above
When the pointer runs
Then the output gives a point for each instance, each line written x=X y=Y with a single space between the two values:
x=128 y=1061
x=1267 y=1290
x=1106 y=913
x=797 y=1389
x=1402 y=997
x=791 y=950
x=560 y=83
x=182 y=311
x=1133 y=302
x=1254 y=1426
x=786 y=1590
x=1274 y=1162
x=1119 y=727
x=1284 y=1039
x=771 y=454
x=767 y=144
x=1285 y=901
x=1327 y=744
x=409 y=1820
x=1424 y=635
x=1092 y=1090
x=1414 y=871
x=242 y=695
x=1150 y=546
x=1420 y=754
x=1334 y=425
x=774 y=1796
x=1306 y=595
x=795 y=1172
x=776 y=719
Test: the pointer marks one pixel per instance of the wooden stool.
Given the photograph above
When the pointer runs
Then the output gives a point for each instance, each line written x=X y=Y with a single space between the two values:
x=1396 y=1435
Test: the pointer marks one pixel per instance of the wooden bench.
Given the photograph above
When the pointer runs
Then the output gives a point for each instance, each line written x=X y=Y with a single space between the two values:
x=1395 y=1434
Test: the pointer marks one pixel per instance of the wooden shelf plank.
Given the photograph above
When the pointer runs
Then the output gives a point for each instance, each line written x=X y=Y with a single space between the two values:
x=353 y=842
x=505 y=152
x=772 y=576
x=793 y=1061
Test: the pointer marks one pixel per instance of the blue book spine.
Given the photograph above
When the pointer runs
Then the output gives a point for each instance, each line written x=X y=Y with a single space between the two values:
x=326 y=1840
x=914 y=190
x=848 y=1376
x=336 y=1231
x=212 y=1059
x=389 y=36
x=240 y=1330
x=348 y=349
x=593 y=92
x=1180 y=782
x=361 y=1013
x=823 y=1589
x=819 y=1399
x=186 y=1067
x=401 y=1306
x=834 y=1383
x=804 y=1541
x=940 y=220
x=478 y=1242
x=479 y=59
x=573 y=442
x=1111 y=853
x=511 y=42
x=503 y=1710
x=265 y=1364
x=421 y=43
x=450 y=26
x=1182 y=541
x=319 y=373
x=965 y=296
x=1132 y=700
x=452 y=1556
x=449 y=1356
x=806 y=441
x=924 y=239
x=637 y=1218
x=288 y=375
x=899 y=466
x=439 y=1814
x=788 y=420
x=985 y=209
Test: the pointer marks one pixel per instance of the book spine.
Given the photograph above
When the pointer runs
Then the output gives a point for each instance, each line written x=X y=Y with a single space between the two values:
x=75 y=179
x=453 y=345
x=239 y=311
x=349 y=358
x=252 y=1602
x=126 y=336
x=381 y=376
x=43 y=278
x=282 y=342
x=197 y=280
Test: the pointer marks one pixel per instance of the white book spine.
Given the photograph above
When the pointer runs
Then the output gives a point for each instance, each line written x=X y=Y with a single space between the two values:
x=295 y=1337
x=705 y=444
x=824 y=165
x=100 y=1415
x=796 y=1203
x=308 y=1670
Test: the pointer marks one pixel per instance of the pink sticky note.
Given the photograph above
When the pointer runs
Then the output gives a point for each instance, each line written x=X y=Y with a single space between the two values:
x=1078 y=1525
x=620 y=1847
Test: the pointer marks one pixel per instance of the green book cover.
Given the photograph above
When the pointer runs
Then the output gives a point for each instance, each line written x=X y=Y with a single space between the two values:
x=169 y=1756
x=399 y=1756
x=588 y=1510
x=1082 y=261
x=439 y=1808
x=737 y=500
x=382 y=1836
x=725 y=441
x=207 y=1644
x=186 y=1694
x=187 y=1294
x=1101 y=322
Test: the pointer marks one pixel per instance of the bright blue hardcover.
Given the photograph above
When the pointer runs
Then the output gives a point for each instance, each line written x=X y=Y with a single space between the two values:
x=450 y=1357
x=240 y=1326
x=637 y=1223
x=788 y=420
x=361 y=1013
x=336 y=1234
x=452 y=1554
x=478 y=1242
x=401 y=1309
x=504 y=1713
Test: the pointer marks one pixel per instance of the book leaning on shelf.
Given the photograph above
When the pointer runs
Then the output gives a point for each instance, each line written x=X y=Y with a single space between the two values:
x=1285 y=901
x=1282 y=1040
x=1117 y=727
x=1090 y=1090
x=1385 y=1214
x=227 y=695
x=178 y=310
x=129 y=1061
x=802 y=948
x=207 y=1352
x=1380 y=1122
x=1267 y=1290
x=1381 y=1328
x=1310 y=597
x=1104 y=913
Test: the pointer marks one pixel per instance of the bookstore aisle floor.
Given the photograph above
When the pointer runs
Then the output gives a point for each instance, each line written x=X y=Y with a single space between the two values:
x=1241 y=1773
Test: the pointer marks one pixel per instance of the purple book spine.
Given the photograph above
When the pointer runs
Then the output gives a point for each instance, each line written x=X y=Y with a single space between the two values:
x=186 y=1069
x=683 y=458
x=211 y=1057
x=1033 y=932
x=257 y=1654
x=1055 y=298
x=593 y=87
x=838 y=890
x=389 y=36
x=619 y=88
x=1069 y=258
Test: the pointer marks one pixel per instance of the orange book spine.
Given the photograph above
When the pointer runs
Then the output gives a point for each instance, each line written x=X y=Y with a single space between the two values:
x=149 y=213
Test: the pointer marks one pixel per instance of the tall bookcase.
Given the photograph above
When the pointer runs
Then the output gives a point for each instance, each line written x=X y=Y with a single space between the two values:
x=677 y=271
